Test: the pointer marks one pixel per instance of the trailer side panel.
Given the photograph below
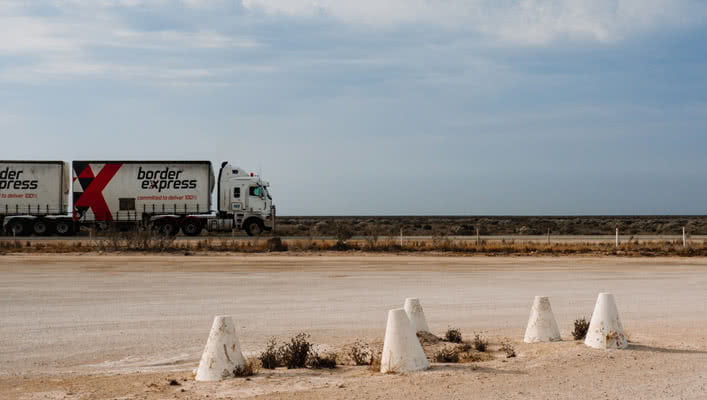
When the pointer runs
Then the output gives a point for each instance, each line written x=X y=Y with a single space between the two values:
x=129 y=190
x=33 y=187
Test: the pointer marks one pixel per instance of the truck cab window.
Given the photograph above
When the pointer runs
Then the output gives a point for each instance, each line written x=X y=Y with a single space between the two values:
x=255 y=191
x=237 y=193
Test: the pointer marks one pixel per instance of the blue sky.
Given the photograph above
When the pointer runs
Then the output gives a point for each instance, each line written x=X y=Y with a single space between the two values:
x=374 y=107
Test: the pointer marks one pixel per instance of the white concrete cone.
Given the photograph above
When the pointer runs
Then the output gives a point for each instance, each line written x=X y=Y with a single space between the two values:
x=605 y=329
x=541 y=324
x=402 y=351
x=416 y=315
x=222 y=353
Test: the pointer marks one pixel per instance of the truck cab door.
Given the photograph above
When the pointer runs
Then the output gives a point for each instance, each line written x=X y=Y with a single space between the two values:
x=256 y=198
x=237 y=199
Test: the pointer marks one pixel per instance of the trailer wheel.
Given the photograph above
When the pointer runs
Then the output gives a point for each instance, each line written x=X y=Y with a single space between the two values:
x=40 y=227
x=168 y=228
x=191 y=227
x=17 y=227
x=254 y=227
x=63 y=228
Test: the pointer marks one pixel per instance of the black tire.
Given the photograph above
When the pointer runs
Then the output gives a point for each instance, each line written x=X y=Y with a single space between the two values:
x=168 y=228
x=40 y=227
x=191 y=227
x=64 y=228
x=254 y=227
x=17 y=227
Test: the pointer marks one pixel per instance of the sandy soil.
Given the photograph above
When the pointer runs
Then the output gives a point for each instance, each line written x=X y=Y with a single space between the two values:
x=106 y=327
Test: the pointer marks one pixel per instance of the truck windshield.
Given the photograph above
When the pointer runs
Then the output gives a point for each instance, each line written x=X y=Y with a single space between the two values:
x=267 y=192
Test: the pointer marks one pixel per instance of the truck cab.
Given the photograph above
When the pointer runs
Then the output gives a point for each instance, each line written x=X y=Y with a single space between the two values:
x=243 y=198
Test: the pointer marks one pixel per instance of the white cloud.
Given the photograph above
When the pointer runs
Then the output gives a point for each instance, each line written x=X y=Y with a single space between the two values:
x=61 y=46
x=520 y=21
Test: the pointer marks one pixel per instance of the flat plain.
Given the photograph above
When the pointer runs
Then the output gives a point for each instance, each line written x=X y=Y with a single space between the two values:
x=122 y=326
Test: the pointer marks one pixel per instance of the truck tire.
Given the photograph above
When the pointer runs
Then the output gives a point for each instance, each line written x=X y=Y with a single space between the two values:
x=17 y=227
x=64 y=228
x=254 y=227
x=191 y=227
x=40 y=227
x=168 y=227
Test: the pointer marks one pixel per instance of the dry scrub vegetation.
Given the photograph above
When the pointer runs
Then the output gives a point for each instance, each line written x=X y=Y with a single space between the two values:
x=145 y=242
x=382 y=226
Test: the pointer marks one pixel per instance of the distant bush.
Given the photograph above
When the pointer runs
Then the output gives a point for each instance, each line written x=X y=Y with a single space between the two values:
x=249 y=368
x=448 y=354
x=361 y=353
x=270 y=358
x=295 y=352
x=480 y=342
x=317 y=361
x=507 y=347
x=453 y=335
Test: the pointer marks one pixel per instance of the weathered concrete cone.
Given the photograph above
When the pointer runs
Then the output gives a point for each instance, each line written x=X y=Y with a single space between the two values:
x=605 y=329
x=402 y=351
x=541 y=324
x=416 y=315
x=222 y=353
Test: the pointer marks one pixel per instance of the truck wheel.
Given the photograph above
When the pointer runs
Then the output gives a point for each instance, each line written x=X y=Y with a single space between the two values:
x=254 y=227
x=17 y=227
x=63 y=228
x=40 y=227
x=191 y=227
x=168 y=228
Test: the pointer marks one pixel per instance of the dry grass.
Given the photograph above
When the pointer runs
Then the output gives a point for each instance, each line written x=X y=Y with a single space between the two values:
x=148 y=242
x=249 y=368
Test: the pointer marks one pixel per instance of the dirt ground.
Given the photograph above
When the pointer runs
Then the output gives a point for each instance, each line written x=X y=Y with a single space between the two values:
x=121 y=327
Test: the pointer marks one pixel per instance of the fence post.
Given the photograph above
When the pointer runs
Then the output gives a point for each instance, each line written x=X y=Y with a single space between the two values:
x=548 y=235
x=617 y=237
x=684 y=237
x=478 y=237
x=401 y=237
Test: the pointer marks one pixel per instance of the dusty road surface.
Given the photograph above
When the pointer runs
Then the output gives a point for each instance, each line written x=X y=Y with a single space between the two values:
x=123 y=326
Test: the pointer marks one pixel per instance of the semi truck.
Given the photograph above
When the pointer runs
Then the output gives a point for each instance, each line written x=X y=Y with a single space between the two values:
x=164 y=196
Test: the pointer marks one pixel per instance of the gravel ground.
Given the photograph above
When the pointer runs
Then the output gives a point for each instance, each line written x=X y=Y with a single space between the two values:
x=121 y=326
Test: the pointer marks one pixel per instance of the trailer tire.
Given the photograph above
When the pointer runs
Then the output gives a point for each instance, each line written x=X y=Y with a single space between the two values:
x=254 y=227
x=17 y=227
x=167 y=227
x=64 y=228
x=191 y=227
x=40 y=227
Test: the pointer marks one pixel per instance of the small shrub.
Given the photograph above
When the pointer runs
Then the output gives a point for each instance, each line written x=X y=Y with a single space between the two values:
x=447 y=355
x=249 y=368
x=361 y=354
x=343 y=233
x=275 y=244
x=317 y=361
x=507 y=347
x=453 y=335
x=480 y=342
x=581 y=326
x=295 y=352
x=375 y=364
x=270 y=358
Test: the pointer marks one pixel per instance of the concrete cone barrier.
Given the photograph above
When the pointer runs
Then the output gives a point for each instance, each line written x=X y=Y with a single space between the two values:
x=222 y=353
x=402 y=351
x=542 y=326
x=605 y=329
x=416 y=315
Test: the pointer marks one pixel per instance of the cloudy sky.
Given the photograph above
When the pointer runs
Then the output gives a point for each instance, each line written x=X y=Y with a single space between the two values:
x=374 y=106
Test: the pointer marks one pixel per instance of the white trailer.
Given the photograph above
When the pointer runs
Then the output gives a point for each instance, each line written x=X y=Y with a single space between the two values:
x=32 y=194
x=166 y=196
